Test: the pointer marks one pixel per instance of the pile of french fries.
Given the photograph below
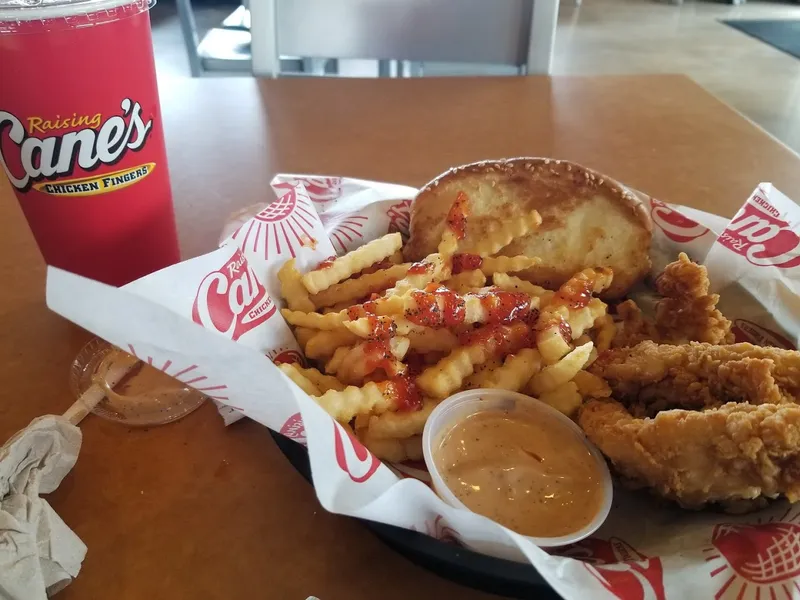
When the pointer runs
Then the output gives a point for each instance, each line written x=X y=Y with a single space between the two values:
x=392 y=339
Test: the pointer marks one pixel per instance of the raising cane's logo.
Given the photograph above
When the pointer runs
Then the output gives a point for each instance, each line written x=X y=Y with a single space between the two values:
x=438 y=529
x=352 y=457
x=286 y=356
x=399 y=217
x=758 y=234
x=620 y=568
x=675 y=226
x=322 y=189
x=747 y=331
x=85 y=142
x=345 y=232
x=283 y=227
x=232 y=300
x=755 y=561
x=294 y=428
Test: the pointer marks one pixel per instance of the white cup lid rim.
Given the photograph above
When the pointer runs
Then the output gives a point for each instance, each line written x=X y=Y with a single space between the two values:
x=20 y=10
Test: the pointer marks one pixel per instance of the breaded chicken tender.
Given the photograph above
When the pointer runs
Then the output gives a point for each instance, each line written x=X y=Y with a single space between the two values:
x=737 y=452
x=685 y=313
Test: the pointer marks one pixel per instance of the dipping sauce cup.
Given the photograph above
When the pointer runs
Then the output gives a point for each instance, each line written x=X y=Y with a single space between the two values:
x=519 y=462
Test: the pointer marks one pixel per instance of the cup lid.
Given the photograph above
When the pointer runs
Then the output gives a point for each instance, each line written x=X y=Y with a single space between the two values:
x=134 y=392
x=86 y=12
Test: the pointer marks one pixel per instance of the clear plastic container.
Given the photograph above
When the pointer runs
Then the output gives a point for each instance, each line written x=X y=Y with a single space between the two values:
x=458 y=407
x=133 y=392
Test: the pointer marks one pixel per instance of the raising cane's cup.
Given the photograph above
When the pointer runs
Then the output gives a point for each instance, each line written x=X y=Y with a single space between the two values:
x=81 y=138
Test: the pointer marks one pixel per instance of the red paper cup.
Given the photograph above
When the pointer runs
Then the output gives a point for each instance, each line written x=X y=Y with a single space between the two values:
x=81 y=137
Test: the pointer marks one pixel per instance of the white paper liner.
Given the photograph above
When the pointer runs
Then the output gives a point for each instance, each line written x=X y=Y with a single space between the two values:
x=646 y=549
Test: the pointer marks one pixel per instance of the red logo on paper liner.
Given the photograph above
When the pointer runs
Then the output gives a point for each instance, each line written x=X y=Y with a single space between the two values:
x=232 y=300
x=623 y=571
x=755 y=561
x=322 y=189
x=675 y=226
x=352 y=457
x=191 y=375
x=286 y=356
x=345 y=232
x=400 y=218
x=282 y=207
x=438 y=529
x=87 y=141
x=761 y=237
x=747 y=331
x=282 y=227
x=294 y=428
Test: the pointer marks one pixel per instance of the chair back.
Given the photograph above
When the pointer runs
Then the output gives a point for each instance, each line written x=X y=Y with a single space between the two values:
x=472 y=31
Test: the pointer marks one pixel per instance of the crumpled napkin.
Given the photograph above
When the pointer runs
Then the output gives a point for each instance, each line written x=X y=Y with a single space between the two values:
x=39 y=554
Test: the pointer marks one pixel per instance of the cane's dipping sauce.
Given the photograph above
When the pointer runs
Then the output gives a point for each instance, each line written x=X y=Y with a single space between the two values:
x=526 y=472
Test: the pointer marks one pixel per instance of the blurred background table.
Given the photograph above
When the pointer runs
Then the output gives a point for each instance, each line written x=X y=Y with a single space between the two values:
x=194 y=510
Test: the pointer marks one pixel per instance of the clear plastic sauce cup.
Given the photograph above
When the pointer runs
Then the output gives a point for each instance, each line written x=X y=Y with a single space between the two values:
x=457 y=408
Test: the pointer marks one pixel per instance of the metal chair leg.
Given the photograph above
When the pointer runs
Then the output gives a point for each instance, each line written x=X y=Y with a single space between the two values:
x=543 y=36
x=264 y=44
x=384 y=68
x=332 y=66
x=190 y=37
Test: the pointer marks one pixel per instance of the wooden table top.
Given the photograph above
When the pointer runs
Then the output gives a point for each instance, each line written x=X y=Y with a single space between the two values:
x=194 y=510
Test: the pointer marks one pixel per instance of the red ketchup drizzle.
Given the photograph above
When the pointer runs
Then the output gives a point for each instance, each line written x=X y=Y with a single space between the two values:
x=371 y=307
x=378 y=355
x=565 y=329
x=556 y=320
x=504 y=307
x=366 y=309
x=420 y=268
x=499 y=339
x=576 y=293
x=457 y=217
x=439 y=307
x=325 y=264
x=453 y=308
x=466 y=262
x=405 y=390
x=381 y=329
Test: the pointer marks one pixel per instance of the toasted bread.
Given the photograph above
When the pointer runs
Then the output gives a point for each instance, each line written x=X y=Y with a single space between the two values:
x=588 y=220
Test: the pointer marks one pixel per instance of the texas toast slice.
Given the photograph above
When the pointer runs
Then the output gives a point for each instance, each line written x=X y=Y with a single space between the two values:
x=587 y=220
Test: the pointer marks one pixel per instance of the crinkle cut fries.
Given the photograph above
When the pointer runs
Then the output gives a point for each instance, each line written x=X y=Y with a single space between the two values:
x=394 y=339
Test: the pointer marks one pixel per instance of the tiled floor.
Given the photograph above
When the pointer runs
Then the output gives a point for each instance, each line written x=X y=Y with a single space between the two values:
x=643 y=36
x=633 y=36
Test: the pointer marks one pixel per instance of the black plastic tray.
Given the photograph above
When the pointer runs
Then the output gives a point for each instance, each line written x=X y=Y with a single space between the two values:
x=458 y=564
